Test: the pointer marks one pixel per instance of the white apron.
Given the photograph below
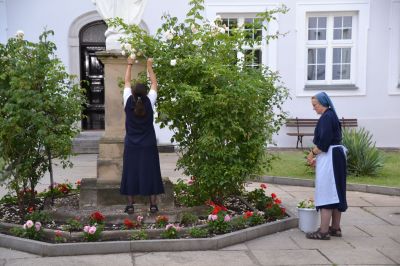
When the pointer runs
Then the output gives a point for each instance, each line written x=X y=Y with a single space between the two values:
x=325 y=184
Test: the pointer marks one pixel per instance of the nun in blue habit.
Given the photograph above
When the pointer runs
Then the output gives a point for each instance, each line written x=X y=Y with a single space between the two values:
x=329 y=158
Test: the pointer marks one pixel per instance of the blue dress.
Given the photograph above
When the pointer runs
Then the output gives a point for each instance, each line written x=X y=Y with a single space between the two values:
x=141 y=174
x=328 y=138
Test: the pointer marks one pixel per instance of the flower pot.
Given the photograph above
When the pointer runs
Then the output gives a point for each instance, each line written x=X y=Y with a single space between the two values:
x=308 y=220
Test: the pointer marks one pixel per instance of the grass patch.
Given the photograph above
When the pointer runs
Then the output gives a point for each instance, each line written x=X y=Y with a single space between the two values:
x=293 y=164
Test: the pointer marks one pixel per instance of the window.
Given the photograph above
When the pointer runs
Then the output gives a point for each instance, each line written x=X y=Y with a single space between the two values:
x=252 y=55
x=330 y=49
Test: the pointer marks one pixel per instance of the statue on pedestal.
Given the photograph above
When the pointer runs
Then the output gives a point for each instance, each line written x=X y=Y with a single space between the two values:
x=130 y=11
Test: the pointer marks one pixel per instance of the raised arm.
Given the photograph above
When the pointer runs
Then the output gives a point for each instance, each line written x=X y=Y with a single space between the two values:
x=152 y=75
x=128 y=73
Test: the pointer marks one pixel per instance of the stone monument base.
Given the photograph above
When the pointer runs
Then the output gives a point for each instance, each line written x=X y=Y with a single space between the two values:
x=96 y=194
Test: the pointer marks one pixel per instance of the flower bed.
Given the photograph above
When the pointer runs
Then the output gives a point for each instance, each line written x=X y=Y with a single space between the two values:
x=204 y=222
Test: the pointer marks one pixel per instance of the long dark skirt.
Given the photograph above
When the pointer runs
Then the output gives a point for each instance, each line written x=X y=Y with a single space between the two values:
x=141 y=174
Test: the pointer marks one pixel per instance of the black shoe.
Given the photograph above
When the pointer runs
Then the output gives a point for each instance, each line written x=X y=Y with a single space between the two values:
x=129 y=209
x=153 y=208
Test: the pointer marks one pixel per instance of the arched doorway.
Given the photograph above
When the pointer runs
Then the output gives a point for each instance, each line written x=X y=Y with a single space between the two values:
x=92 y=40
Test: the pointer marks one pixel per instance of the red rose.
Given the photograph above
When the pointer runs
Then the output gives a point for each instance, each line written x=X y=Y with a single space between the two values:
x=248 y=214
x=273 y=195
x=263 y=186
x=277 y=201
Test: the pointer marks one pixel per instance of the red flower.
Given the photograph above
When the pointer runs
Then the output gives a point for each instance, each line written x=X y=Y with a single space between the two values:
x=58 y=233
x=97 y=216
x=248 y=214
x=283 y=210
x=30 y=209
x=269 y=206
x=263 y=186
x=217 y=208
x=128 y=223
x=273 y=195
x=277 y=201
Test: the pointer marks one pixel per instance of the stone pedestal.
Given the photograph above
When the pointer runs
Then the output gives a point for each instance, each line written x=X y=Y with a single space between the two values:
x=105 y=189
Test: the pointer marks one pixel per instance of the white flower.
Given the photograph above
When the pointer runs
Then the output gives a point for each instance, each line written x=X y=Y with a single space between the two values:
x=221 y=30
x=197 y=42
x=92 y=230
x=123 y=52
x=19 y=34
x=194 y=29
x=218 y=18
x=169 y=34
x=173 y=62
x=128 y=46
x=133 y=56
x=169 y=226
x=29 y=223
x=24 y=226
x=133 y=50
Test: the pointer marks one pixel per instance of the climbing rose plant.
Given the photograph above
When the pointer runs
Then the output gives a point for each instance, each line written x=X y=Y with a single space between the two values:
x=221 y=112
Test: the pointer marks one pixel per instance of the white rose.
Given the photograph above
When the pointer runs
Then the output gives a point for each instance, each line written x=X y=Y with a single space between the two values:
x=20 y=34
x=194 y=29
x=123 y=52
x=169 y=34
x=128 y=46
x=173 y=62
x=221 y=30
x=197 y=42
x=218 y=18
x=133 y=56
x=29 y=223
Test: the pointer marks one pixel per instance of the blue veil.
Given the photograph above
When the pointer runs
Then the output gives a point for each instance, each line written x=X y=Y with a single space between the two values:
x=324 y=99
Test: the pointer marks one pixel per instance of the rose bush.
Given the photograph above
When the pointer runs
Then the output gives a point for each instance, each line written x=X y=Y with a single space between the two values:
x=221 y=112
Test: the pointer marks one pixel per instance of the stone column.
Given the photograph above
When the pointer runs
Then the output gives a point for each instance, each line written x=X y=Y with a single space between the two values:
x=104 y=190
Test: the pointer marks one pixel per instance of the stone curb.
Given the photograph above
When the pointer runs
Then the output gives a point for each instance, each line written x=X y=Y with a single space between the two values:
x=391 y=191
x=108 y=247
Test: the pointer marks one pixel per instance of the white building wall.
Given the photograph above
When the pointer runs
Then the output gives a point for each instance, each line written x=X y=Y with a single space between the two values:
x=375 y=104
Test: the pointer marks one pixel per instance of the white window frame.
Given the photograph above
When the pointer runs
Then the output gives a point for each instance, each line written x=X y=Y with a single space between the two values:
x=394 y=49
x=360 y=10
x=245 y=9
x=329 y=44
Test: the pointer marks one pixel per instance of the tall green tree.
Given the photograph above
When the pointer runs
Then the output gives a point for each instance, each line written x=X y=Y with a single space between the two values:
x=221 y=112
x=40 y=106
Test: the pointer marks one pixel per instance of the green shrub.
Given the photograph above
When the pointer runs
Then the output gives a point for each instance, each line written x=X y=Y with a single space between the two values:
x=196 y=232
x=39 y=216
x=363 y=158
x=209 y=99
x=188 y=218
x=139 y=235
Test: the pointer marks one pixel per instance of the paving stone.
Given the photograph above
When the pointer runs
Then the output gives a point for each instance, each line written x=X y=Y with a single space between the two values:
x=358 y=216
x=382 y=200
x=389 y=214
x=355 y=256
x=391 y=252
x=6 y=253
x=235 y=247
x=357 y=202
x=275 y=241
x=335 y=242
x=95 y=260
x=375 y=241
x=290 y=257
x=216 y=258
x=349 y=230
x=392 y=231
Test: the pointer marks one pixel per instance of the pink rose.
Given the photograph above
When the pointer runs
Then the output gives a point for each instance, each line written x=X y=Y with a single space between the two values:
x=38 y=225
x=92 y=230
x=86 y=228
x=139 y=219
x=29 y=223
x=227 y=218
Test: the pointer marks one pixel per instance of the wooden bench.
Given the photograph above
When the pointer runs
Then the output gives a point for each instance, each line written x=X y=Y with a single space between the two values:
x=308 y=122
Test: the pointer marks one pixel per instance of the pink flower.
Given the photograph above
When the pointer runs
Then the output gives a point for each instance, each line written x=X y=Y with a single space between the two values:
x=92 y=230
x=139 y=219
x=263 y=186
x=227 y=218
x=58 y=233
x=24 y=226
x=29 y=223
x=169 y=226
x=38 y=225
x=190 y=182
x=86 y=228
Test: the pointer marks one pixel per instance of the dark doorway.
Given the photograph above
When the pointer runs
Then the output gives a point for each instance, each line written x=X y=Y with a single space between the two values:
x=92 y=40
